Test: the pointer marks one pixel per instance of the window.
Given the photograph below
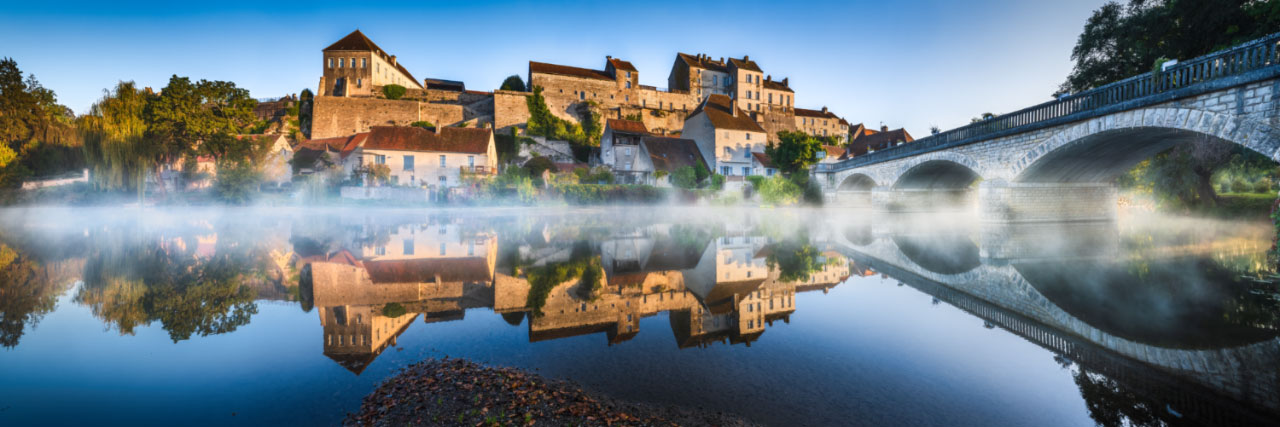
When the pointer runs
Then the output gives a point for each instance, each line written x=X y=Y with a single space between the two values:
x=748 y=94
x=408 y=246
x=582 y=95
x=342 y=62
x=771 y=98
x=362 y=63
x=628 y=75
x=408 y=163
x=330 y=62
x=746 y=154
x=769 y=172
x=442 y=160
x=626 y=151
x=628 y=85
x=442 y=248
x=380 y=250
x=715 y=80
x=359 y=82
x=444 y=180
x=724 y=170
x=380 y=159
x=353 y=62
x=748 y=136
x=471 y=161
x=746 y=171
x=750 y=308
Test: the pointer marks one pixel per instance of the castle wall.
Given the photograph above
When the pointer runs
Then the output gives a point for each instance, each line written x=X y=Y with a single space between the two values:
x=338 y=116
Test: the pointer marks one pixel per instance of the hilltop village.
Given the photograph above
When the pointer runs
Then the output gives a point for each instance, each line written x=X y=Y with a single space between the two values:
x=371 y=117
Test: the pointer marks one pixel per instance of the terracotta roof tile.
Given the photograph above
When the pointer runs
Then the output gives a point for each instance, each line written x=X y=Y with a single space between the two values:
x=564 y=70
x=719 y=109
x=776 y=85
x=619 y=64
x=878 y=140
x=412 y=138
x=816 y=113
x=763 y=159
x=704 y=63
x=626 y=126
x=669 y=154
x=745 y=64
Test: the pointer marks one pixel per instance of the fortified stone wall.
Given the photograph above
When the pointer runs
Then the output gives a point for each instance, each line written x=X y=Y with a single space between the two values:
x=777 y=121
x=510 y=108
x=339 y=116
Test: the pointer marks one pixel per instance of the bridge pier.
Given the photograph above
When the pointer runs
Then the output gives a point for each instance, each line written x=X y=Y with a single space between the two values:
x=1002 y=201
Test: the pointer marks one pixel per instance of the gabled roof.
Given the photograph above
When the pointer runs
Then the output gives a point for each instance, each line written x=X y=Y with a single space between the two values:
x=776 y=85
x=564 y=70
x=745 y=64
x=833 y=151
x=704 y=62
x=343 y=145
x=763 y=159
x=878 y=140
x=669 y=154
x=719 y=110
x=632 y=126
x=619 y=64
x=358 y=42
x=412 y=138
x=816 y=113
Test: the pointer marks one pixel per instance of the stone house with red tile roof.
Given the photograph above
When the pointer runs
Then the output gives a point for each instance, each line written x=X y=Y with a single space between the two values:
x=873 y=141
x=726 y=135
x=420 y=157
x=822 y=123
x=355 y=66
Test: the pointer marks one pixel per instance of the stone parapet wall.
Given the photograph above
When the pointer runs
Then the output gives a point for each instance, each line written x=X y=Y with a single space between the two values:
x=340 y=116
x=1047 y=202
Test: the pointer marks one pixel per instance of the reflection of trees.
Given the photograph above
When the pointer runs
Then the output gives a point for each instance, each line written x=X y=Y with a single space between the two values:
x=583 y=265
x=128 y=284
x=28 y=291
x=1110 y=405
x=795 y=260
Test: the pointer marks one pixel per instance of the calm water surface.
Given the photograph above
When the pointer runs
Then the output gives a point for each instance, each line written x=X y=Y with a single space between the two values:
x=189 y=317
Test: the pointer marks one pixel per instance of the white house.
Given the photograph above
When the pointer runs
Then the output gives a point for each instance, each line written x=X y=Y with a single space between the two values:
x=726 y=135
x=419 y=157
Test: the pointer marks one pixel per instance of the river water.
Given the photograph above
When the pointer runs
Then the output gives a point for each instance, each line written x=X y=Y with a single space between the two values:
x=784 y=317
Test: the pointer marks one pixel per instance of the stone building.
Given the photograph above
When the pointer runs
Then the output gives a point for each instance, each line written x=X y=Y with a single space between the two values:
x=822 y=123
x=355 y=66
x=726 y=135
x=620 y=149
x=869 y=141
x=420 y=157
x=615 y=91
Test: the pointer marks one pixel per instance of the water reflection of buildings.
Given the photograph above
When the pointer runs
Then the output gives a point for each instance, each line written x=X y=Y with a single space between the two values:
x=714 y=289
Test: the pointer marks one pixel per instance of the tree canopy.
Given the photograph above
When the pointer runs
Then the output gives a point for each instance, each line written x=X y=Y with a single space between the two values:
x=513 y=82
x=1123 y=40
x=37 y=135
x=794 y=151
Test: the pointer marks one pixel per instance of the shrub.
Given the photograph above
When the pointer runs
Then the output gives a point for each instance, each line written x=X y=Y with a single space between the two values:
x=1262 y=186
x=1239 y=186
x=423 y=124
x=537 y=165
x=236 y=181
x=756 y=181
x=590 y=194
x=685 y=178
x=717 y=182
x=1224 y=188
x=393 y=91
x=379 y=173
x=780 y=191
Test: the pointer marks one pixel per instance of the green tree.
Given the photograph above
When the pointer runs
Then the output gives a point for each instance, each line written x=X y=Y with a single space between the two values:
x=115 y=143
x=513 y=82
x=37 y=135
x=780 y=191
x=393 y=91
x=794 y=151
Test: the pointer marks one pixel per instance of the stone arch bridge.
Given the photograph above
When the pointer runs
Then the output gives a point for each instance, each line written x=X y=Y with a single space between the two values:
x=985 y=272
x=1057 y=160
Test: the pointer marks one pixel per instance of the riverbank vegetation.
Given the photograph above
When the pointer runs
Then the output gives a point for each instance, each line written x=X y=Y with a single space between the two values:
x=1204 y=176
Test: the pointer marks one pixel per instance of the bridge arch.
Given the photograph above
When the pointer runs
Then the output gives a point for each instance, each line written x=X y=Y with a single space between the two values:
x=856 y=182
x=1099 y=149
x=938 y=170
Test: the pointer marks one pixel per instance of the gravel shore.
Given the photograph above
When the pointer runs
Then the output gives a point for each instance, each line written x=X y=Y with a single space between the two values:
x=460 y=392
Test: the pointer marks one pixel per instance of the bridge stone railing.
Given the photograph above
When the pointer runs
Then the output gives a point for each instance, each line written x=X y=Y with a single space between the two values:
x=1251 y=61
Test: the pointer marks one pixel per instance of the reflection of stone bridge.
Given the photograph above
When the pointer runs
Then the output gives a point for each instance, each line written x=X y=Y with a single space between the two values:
x=987 y=283
x=1057 y=159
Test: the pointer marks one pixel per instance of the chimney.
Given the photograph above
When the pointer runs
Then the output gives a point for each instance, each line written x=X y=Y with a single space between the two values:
x=784 y=80
x=884 y=128
x=746 y=57
x=608 y=57
x=722 y=59
x=393 y=60
x=768 y=77
x=824 y=109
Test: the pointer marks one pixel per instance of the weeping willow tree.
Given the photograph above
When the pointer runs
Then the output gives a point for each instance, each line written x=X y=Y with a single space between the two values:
x=115 y=144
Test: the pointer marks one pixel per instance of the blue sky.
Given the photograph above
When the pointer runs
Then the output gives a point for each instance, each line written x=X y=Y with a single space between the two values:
x=900 y=63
